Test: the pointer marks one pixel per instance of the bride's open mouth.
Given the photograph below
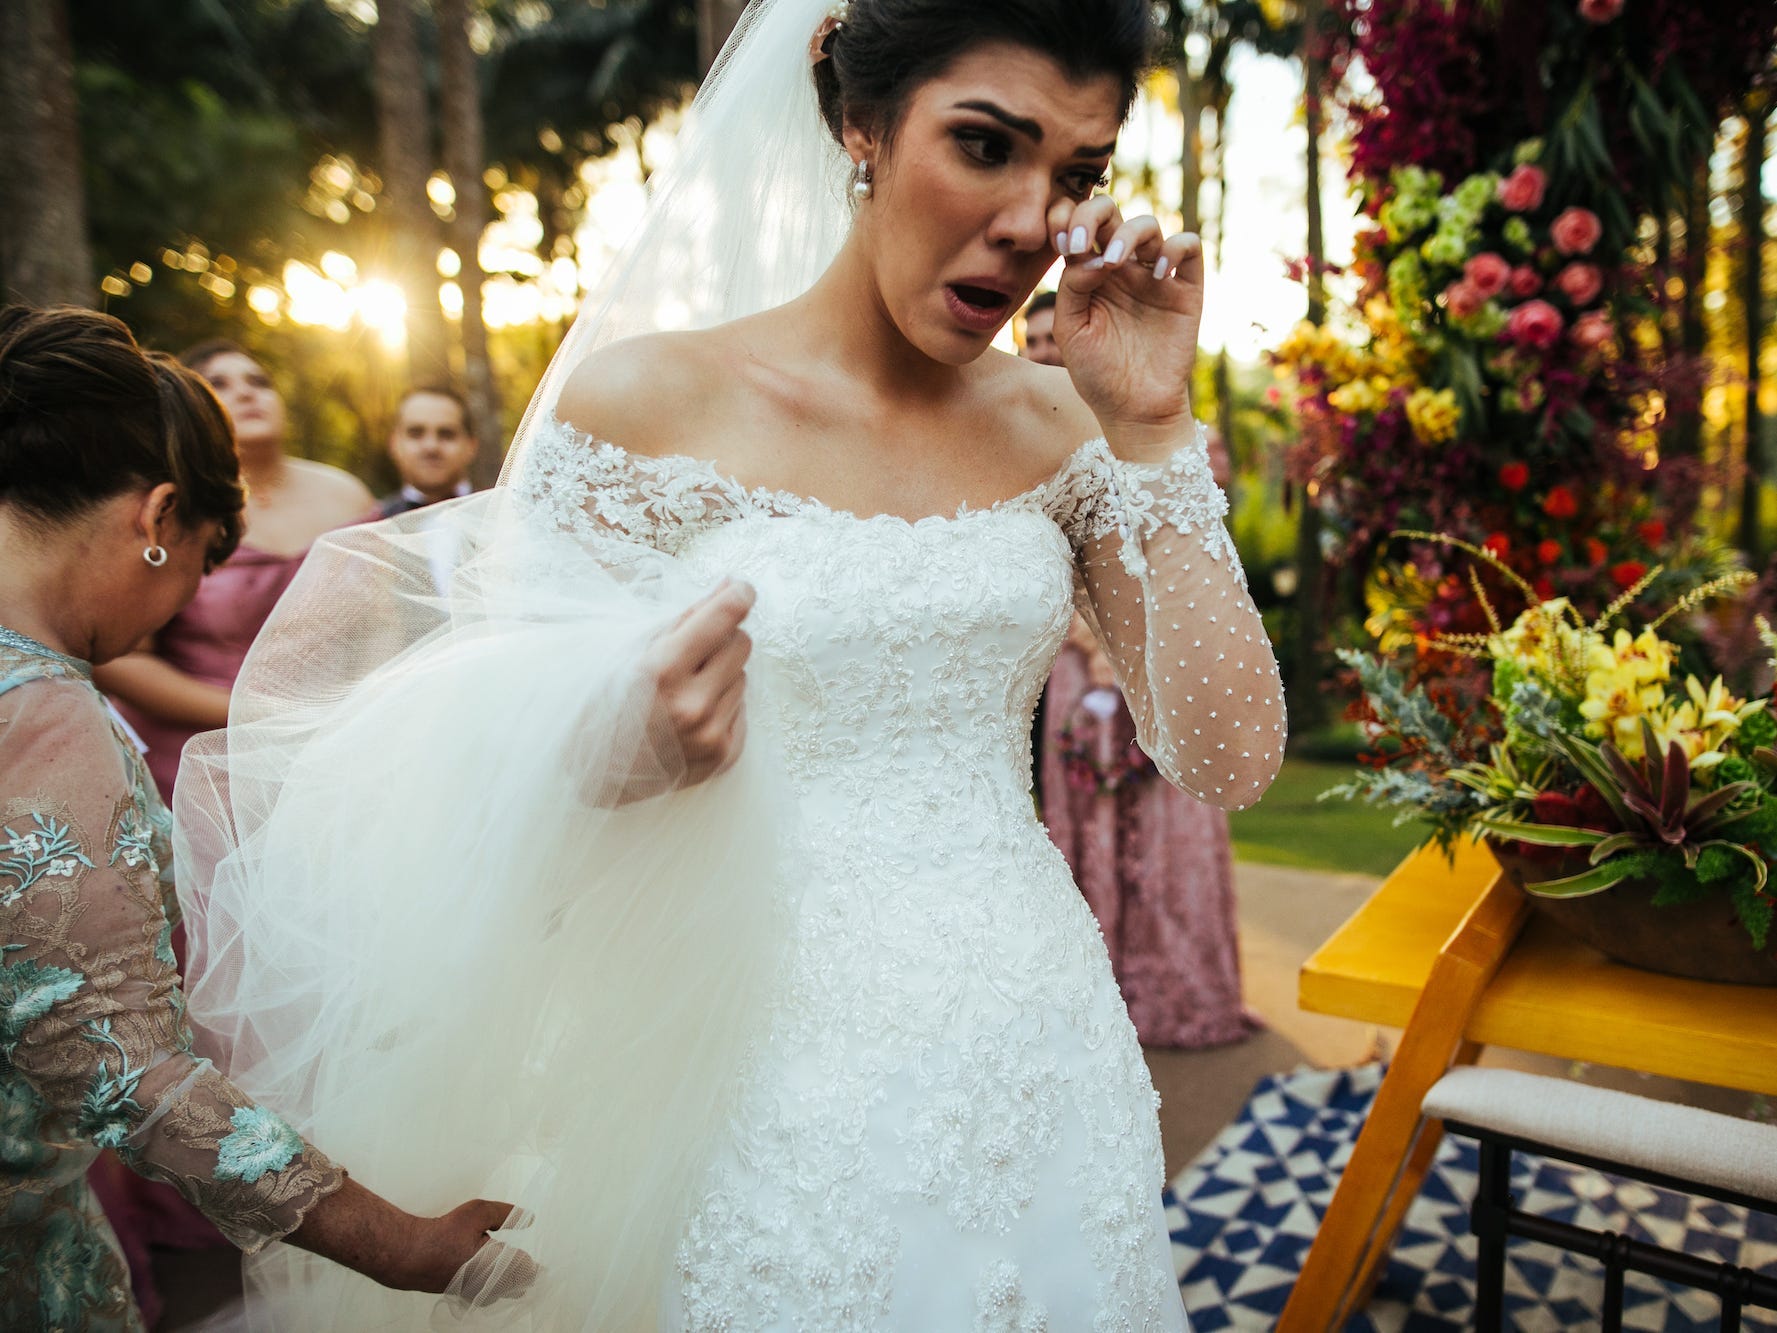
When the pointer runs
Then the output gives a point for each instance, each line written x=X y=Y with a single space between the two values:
x=977 y=307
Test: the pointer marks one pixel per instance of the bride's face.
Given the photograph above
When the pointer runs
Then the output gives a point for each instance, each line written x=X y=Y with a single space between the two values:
x=957 y=226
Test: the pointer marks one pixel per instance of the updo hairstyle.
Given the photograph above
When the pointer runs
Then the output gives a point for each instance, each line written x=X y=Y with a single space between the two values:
x=86 y=414
x=882 y=50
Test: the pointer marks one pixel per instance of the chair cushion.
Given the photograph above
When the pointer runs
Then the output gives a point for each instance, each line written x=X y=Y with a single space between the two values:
x=1639 y=1133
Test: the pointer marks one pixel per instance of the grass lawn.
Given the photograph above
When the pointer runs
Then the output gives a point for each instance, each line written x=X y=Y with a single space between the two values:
x=1290 y=828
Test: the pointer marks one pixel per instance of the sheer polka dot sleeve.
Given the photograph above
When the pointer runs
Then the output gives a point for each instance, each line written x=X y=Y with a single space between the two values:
x=1160 y=583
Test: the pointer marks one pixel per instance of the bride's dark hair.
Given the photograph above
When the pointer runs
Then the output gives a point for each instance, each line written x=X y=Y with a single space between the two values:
x=884 y=49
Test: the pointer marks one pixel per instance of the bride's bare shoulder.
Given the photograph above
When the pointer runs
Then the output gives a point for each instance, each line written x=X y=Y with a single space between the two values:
x=645 y=393
x=1051 y=418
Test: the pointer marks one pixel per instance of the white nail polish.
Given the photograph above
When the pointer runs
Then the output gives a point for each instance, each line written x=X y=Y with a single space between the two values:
x=1113 y=253
x=1162 y=266
x=1077 y=241
x=1093 y=264
x=1061 y=242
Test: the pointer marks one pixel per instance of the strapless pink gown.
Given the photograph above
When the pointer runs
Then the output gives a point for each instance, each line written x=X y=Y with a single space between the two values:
x=208 y=639
x=1154 y=866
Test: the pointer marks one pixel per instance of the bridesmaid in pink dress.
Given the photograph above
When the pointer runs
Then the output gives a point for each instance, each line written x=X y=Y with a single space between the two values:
x=178 y=685
x=1153 y=864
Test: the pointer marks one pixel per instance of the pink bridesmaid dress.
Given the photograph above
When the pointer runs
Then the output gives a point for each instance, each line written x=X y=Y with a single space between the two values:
x=208 y=639
x=1153 y=864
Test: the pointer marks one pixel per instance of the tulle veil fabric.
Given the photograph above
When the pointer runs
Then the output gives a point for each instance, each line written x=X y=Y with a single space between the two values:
x=424 y=926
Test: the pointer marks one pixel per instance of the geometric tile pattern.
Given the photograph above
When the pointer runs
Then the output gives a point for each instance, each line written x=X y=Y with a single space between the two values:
x=1244 y=1213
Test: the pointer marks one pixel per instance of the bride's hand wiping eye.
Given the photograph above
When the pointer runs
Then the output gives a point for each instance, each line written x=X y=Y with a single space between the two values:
x=1126 y=318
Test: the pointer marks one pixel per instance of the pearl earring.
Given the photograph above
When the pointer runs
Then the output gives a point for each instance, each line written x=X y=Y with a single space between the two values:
x=860 y=185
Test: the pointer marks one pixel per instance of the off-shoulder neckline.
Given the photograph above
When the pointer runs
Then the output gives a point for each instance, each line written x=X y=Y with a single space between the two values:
x=784 y=503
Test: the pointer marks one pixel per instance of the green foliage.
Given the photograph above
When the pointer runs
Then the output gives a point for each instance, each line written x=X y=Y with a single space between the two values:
x=1754 y=910
x=1408 y=713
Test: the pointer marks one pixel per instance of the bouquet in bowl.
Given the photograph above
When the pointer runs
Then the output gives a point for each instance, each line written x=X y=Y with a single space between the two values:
x=1593 y=758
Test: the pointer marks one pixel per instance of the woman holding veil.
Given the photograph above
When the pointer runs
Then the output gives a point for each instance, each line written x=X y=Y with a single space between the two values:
x=828 y=1041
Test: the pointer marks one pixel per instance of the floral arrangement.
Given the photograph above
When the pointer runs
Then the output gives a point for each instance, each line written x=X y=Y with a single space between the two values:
x=1500 y=372
x=1081 y=762
x=1593 y=745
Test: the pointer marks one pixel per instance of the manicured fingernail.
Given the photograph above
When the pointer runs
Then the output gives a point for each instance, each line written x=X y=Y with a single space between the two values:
x=1093 y=264
x=1076 y=242
x=1193 y=244
x=1113 y=253
x=1061 y=242
x=1161 y=266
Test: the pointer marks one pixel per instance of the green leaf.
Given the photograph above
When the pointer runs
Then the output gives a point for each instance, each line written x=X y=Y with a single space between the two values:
x=1541 y=835
x=1677 y=890
x=1755 y=912
x=1716 y=863
x=1587 y=882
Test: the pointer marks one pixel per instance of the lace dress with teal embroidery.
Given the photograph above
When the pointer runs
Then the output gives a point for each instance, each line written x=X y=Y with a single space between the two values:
x=95 y=1051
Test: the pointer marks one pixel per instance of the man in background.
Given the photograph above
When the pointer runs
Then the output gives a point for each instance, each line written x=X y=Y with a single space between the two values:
x=432 y=447
x=1039 y=331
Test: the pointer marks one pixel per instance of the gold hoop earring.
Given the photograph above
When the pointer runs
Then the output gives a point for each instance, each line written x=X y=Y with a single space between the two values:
x=861 y=185
x=155 y=555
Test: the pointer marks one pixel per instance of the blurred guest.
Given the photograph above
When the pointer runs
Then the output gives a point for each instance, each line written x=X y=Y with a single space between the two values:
x=176 y=684
x=1039 y=331
x=119 y=489
x=433 y=446
x=1154 y=865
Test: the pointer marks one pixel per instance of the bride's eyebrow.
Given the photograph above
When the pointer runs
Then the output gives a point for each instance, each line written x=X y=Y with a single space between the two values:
x=1029 y=128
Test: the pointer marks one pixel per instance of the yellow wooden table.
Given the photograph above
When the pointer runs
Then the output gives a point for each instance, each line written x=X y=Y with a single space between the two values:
x=1451 y=954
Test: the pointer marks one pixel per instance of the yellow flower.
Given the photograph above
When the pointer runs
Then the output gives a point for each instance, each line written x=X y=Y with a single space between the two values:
x=1433 y=414
x=1626 y=683
x=1703 y=722
x=1545 y=642
x=1354 y=398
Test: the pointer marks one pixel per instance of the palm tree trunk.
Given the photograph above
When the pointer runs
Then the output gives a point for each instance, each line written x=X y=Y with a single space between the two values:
x=404 y=147
x=1752 y=294
x=45 y=256
x=1307 y=706
x=715 y=20
x=1190 y=106
x=464 y=160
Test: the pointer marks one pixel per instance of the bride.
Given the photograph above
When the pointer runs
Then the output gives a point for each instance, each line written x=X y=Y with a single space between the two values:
x=828 y=1041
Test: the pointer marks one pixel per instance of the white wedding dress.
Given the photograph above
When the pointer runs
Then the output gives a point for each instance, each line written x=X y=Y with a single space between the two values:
x=948 y=1123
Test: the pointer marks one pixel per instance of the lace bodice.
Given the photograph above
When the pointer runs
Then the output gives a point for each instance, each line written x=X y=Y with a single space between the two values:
x=1142 y=550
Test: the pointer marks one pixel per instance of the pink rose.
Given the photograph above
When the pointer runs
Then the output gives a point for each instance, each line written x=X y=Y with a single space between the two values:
x=1580 y=283
x=1462 y=298
x=1592 y=330
x=1535 y=324
x=1525 y=281
x=1600 y=11
x=1523 y=189
x=1487 y=273
x=1576 y=231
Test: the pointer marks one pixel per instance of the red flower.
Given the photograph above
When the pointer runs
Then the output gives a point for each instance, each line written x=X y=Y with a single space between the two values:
x=1548 y=550
x=1652 y=531
x=1525 y=281
x=1498 y=545
x=1544 y=590
x=1576 y=231
x=1580 y=283
x=1595 y=551
x=1559 y=503
x=1535 y=324
x=1514 y=476
x=1600 y=11
x=1626 y=574
x=1487 y=273
x=1591 y=329
x=1463 y=298
x=1523 y=189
